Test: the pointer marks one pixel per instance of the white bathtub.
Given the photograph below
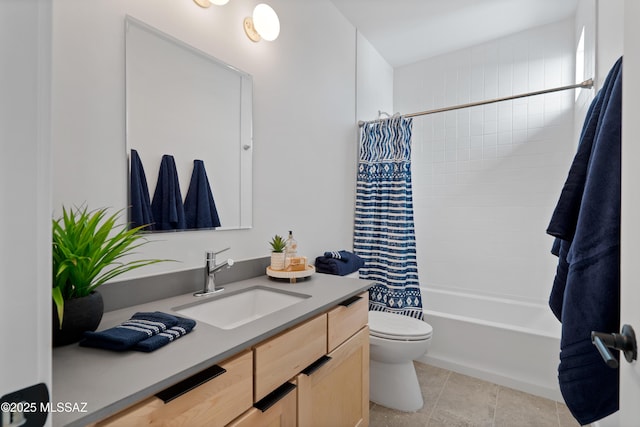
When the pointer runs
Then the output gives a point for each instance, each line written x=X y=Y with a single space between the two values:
x=508 y=342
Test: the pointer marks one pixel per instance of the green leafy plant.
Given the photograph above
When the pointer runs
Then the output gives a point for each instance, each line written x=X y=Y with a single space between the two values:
x=88 y=247
x=278 y=244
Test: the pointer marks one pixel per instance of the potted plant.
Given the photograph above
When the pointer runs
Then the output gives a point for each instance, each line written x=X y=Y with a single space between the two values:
x=278 y=245
x=87 y=251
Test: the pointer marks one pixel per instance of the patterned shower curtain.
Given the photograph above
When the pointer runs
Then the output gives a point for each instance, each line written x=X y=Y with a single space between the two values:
x=384 y=234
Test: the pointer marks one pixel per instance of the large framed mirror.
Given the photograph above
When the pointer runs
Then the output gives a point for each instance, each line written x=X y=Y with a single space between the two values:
x=185 y=103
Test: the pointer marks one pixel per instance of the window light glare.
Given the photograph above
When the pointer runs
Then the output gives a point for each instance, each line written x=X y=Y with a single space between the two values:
x=580 y=61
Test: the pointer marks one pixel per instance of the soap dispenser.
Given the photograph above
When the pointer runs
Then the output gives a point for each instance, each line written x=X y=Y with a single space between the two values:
x=291 y=248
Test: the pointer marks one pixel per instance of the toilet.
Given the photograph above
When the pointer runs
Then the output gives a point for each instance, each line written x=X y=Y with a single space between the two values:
x=395 y=341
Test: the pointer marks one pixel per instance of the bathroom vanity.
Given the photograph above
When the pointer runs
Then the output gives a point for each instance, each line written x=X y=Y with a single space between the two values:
x=306 y=364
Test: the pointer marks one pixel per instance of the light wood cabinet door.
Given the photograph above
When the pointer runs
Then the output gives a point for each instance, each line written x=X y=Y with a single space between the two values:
x=282 y=357
x=337 y=393
x=346 y=319
x=283 y=413
x=216 y=402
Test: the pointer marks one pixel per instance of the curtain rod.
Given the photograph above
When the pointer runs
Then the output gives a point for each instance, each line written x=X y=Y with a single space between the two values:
x=587 y=84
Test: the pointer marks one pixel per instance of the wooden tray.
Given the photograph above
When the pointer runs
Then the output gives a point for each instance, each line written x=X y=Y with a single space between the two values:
x=291 y=275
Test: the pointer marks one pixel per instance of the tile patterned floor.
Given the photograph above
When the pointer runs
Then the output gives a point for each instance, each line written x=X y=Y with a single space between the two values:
x=456 y=400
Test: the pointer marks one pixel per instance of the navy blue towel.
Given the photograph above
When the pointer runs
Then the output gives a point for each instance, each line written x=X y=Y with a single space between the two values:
x=183 y=327
x=199 y=208
x=586 y=289
x=139 y=193
x=333 y=254
x=347 y=263
x=167 y=207
x=141 y=326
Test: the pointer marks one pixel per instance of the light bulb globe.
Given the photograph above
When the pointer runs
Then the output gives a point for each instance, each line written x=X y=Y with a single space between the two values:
x=266 y=22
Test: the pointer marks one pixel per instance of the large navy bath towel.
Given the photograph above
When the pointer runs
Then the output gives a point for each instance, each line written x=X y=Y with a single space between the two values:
x=199 y=207
x=586 y=290
x=139 y=194
x=167 y=207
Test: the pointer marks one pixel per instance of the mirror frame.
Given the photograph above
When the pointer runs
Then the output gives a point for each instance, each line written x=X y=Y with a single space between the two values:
x=245 y=143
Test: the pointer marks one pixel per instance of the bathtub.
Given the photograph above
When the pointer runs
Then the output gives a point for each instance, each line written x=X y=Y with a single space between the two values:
x=508 y=342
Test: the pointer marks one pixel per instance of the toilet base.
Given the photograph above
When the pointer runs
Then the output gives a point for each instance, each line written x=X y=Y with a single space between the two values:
x=395 y=386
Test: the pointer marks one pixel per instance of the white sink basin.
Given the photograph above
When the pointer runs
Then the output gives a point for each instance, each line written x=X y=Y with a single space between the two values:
x=235 y=309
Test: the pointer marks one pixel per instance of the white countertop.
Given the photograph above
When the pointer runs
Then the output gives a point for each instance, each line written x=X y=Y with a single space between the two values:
x=104 y=382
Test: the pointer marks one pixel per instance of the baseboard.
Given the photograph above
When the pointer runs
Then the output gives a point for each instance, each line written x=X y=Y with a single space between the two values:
x=612 y=420
x=537 y=390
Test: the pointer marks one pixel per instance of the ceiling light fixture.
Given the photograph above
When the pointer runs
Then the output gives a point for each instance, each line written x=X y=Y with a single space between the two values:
x=263 y=24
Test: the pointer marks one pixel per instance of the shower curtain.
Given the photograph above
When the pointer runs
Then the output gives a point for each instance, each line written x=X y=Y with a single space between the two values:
x=384 y=234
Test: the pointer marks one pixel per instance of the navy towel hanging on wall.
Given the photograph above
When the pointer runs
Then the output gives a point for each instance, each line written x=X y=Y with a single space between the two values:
x=199 y=207
x=139 y=193
x=586 y=290
x=167 y=207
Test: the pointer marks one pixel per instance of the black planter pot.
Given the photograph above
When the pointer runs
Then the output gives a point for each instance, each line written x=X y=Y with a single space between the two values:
x=80 y=314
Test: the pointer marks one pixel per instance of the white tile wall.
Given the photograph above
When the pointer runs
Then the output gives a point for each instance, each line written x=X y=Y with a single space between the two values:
x=585 y=17
x=486 y=179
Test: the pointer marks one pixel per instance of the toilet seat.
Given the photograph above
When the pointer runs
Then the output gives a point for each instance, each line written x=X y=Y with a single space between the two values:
x=398 y=327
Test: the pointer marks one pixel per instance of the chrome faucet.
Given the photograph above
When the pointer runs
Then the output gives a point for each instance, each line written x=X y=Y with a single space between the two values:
x=210 y=269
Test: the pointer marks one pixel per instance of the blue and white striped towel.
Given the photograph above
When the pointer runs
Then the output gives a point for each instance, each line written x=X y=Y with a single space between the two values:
x=141 y=326
x=183 y=327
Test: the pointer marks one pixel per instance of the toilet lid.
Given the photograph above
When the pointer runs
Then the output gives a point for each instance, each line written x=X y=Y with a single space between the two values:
x=398 y=327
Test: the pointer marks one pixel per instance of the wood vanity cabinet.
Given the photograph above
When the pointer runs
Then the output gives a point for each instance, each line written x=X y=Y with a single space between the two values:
x=281 y=414
x=337 y=392
x=312 y=374
x=282 y=357
x=214 y=403
x=328 y=359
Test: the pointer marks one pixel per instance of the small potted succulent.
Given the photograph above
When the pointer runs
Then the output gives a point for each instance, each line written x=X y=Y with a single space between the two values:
x=87 y=250
x=278 y=245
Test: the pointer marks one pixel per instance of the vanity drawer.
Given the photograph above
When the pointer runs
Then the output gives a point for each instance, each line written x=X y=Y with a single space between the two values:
x=281 y=413
x=282 y=357
x=347 y=319
x=337 y=393
x=213 y=403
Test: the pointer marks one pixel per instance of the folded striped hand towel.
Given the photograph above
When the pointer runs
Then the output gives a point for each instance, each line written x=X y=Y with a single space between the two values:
x=141 y=326
x=183 y=327
x=334 y=254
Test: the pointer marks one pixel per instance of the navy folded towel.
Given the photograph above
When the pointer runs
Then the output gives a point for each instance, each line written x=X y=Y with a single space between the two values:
x=139 y=193
x=199 y=207
x=141 y=326
x=167 y=207
x=347 y=263
x=333 y=254
x=183 y=327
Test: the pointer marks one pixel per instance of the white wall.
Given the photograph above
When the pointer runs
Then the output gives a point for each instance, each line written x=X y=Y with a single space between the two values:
x=585 y=18
x=304 y=118
x=25 y=247
x=374 y=82
x=629 y=291
x=486 y=179
x=610 y=36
